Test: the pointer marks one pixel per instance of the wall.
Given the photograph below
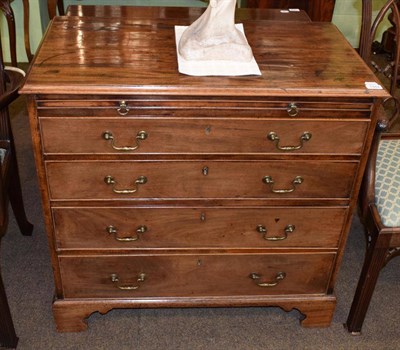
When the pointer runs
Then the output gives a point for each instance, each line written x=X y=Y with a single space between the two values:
x=35 y=27
x=347 y=17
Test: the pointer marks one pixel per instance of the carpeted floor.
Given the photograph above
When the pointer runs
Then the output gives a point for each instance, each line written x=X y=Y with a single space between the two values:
x=27 y=275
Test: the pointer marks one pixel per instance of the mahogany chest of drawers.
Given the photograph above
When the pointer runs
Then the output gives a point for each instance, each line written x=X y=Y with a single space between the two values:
x=165 y=190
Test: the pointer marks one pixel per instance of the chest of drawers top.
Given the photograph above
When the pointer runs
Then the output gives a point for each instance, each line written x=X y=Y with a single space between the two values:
x=103 y=56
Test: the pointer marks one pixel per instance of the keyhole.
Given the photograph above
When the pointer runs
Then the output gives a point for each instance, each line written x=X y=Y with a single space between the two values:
x=205 y=170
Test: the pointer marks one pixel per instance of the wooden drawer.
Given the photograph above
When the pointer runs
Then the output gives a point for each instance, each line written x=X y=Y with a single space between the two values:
x=236 y=107
x=199 y=136
x=200 y=179
x=194 y=275
x=131 y=228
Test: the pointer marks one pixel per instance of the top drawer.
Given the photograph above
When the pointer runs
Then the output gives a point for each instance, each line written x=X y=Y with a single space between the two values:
x=203 y=126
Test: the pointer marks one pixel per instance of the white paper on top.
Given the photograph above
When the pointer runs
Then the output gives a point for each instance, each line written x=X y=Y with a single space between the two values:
x=214 y=67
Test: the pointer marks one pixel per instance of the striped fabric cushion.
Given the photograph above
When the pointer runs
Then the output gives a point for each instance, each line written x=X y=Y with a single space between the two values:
x=387 y=182
x=2 y=154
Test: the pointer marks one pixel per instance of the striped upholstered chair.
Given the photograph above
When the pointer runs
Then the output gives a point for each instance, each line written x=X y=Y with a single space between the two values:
x=380 y=192
x=380 y=214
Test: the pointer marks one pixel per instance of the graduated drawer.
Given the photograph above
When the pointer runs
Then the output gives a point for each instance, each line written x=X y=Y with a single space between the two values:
x=199 y=136
x=200 y=179
x=131 y=228
x=194 y=275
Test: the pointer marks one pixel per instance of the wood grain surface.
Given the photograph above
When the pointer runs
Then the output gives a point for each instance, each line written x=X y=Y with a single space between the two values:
x=138 y=56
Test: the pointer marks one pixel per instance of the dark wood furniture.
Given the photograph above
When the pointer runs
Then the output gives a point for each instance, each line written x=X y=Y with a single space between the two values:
x=53 y=6
x=5 y=7
x=10 y=190
x=165 y=190
x=369 y=29
x=389 y=36
x=383 y=240
x=187 y=13
x=318 y=10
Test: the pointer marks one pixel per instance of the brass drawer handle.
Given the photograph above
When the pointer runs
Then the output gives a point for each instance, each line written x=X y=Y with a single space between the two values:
x=292 y=109
x=112 y=230
x=141 y=180
x=288 y=229
x=140 y=136
x=123 y=108
x=269 y=181
x=115 y=279
x=273 y=136
x=256 y=277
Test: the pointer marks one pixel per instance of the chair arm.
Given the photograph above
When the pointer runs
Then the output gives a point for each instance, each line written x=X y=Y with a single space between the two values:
x=14 y=78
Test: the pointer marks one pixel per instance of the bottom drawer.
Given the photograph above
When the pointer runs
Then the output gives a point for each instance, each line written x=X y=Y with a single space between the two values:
x=194 y=275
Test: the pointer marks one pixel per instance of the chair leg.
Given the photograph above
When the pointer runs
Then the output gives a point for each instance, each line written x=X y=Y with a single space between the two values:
x=8 y=337
x=15 y=192
x=374 y=261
